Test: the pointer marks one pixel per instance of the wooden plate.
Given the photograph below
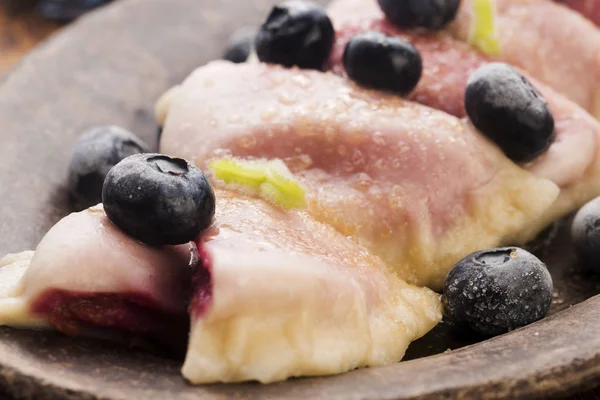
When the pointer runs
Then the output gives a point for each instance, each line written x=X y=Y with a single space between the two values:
x=108 y=69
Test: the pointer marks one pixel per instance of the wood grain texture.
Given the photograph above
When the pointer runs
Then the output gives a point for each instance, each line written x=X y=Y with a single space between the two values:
x=108 y=68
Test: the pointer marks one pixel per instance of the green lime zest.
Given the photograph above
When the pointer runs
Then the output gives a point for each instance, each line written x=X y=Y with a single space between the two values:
x=280 y=177
x=271 y=180
x=239 y=172
x=483 y=29
x=271 y=193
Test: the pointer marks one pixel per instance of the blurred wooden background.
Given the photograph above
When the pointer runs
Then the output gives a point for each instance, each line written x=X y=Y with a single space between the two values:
x=20 y=30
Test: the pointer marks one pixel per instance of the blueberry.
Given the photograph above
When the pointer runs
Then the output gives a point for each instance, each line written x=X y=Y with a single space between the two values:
x=67 y=10
x=95 y=152
x=158 y=200
x=496 y=290
x=240 y=45
x=383 y=62
x=506 y=108
x=585 y=233
x=296 y=33
x=431 y=14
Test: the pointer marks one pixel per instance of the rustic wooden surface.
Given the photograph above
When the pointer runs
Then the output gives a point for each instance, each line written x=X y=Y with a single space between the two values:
x=109 y=68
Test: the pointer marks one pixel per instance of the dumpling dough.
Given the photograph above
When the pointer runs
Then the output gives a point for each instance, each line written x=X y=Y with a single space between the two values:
x=282 y=295
x=415 y=186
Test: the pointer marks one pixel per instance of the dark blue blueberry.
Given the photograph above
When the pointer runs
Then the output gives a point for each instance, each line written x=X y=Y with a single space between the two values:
x=240 y=45
x=506 y=108
x=585 y=232
x=94 y=154
x=158 y=200
x=296 y=33
x=67 y=10
x=431 y=14
x=383 y=62
x=496 y=290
